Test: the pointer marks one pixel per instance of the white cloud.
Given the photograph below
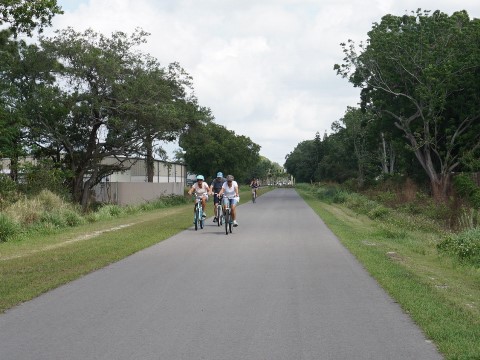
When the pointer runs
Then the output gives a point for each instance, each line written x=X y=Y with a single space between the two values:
x=264 y=67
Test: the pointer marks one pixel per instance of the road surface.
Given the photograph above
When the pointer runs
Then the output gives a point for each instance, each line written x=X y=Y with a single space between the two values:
x=280 y=287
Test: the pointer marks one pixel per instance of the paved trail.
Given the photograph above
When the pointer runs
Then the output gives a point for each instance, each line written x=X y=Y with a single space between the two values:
x=280 y=287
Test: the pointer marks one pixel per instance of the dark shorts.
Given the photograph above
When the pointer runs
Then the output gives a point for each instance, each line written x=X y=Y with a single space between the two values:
x=215 y=198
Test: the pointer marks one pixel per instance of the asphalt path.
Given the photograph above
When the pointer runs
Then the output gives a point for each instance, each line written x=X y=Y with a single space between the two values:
x=280 y=287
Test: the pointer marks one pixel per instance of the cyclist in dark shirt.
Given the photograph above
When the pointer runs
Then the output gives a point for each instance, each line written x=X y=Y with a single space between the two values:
x=254 y=184
x=215 y=187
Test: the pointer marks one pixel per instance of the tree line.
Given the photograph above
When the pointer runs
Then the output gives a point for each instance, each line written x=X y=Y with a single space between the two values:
x=77 y=98
x=419 y=111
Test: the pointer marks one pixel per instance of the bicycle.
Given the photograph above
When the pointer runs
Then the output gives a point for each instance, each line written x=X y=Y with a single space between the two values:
x=198 y=220
x=220 y=216
x=254 y=195
x=227 y=215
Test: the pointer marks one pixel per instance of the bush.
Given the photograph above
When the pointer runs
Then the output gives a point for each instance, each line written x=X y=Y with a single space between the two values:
x=73 y=218
x=8 y=227
x=468 y=189
x=8 y=191
x=465 y=245
x=109 y=211
x=43 y=176
x=378 y=212
x=55 y=218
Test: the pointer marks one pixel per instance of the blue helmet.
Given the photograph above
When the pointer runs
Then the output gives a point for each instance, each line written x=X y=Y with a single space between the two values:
x=200 y=177
x=219 y=174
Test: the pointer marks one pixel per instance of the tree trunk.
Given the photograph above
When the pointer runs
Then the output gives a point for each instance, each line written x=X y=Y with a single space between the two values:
x=384 y=155
x=392 y=159
x=149 y=160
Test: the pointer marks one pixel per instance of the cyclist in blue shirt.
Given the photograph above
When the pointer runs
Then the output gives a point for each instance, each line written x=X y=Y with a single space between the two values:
x=215 y=187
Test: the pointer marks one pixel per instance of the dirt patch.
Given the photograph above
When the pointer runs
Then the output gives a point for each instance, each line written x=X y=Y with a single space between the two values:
x=65 y=243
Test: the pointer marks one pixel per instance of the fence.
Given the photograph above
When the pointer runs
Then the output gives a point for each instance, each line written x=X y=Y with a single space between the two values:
x=130 y=193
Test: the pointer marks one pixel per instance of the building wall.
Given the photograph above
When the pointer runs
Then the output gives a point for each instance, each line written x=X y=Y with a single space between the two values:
x=131 y=193
x=163 y=172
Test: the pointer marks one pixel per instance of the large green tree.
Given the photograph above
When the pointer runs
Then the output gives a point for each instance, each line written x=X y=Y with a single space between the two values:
x=24 y=70
x=91 y=116
x=421 y=71
x=211 y=148
x=161 y=105
x=26 y=15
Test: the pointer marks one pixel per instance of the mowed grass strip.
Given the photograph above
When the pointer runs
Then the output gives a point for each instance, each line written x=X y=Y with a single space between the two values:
x=40 y=263
x=28 y=276
x=441 y=297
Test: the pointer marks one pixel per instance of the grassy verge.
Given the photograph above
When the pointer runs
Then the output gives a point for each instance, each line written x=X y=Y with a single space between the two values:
x=38 y=262
x=440 y=294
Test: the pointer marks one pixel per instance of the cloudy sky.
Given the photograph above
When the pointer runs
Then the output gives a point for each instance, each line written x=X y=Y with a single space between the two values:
x=264 y=67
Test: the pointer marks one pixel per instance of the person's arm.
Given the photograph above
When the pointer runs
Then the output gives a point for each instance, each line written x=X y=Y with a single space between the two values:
x=237 y=194
x=191 y=190
x=221 y=192
x=207 y=188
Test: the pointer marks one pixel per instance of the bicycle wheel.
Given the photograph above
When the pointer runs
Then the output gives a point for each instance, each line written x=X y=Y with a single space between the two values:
x=230 y=225
x=219 y=215
x=196 y=217
x=253 y=197
x=227 y=220
x=222 y=217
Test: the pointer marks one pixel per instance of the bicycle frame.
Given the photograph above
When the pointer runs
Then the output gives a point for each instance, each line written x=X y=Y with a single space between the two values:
x=198 y=212
x=227 y=213
x=219 y=213
x=254 y=195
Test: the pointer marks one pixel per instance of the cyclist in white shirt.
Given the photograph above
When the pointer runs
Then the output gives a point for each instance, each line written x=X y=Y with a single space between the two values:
x=201 y=188
x=230 y=192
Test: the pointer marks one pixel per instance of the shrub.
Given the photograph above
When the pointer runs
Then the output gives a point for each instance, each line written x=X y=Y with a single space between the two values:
x=465 y=245
x=73 y=218
x=25 y=211
x=53 y=217
x=109 y=211
x=8 y=227
x=8 y=191
x=50 y=201
x=468 y=189
x=378 y=212
x=43 y=176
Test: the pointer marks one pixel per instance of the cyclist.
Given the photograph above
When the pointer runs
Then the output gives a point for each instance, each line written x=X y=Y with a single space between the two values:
x=215 y=187
x=230 y=189
x=201 y=188
x=254 y=184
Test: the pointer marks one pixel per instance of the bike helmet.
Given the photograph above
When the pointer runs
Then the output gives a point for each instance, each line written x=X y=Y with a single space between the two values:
x=219 y=174
x=230 y=178
x=200 y=177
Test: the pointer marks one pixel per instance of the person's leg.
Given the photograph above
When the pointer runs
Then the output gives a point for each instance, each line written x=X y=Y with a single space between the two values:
x=233 y=205
x=215 y=203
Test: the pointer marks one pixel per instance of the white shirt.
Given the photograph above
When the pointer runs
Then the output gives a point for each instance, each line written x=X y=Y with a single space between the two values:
x=229 y=192
x=201 y=190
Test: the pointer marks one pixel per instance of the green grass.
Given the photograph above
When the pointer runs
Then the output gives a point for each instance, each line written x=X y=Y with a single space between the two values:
x=43 y=259
x=441 y=294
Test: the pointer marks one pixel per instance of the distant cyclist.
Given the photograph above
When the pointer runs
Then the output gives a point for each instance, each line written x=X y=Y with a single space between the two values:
x=230 y=190
x=201 y=188
x=215 y=187
x=254 y=184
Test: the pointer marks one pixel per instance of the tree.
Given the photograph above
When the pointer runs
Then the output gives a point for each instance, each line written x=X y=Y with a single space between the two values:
x=26 y=15
x=163 y=108
x=301 y=163
x=211 y=148
x=25 y=70
x=422 y=72
x=89 y=114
